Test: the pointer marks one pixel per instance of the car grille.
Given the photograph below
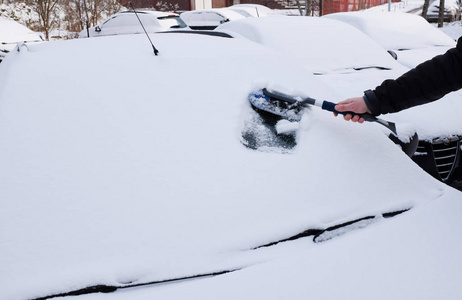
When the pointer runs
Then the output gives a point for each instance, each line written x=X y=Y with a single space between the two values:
x=445 y=152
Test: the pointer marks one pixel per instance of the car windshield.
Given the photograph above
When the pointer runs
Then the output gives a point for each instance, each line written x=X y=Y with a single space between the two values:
x=171 y=21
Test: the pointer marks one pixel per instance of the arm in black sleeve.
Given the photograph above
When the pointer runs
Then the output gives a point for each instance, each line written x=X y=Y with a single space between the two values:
x=427 y=82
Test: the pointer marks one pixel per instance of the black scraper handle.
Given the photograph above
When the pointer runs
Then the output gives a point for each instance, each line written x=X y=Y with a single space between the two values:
x=330 y=106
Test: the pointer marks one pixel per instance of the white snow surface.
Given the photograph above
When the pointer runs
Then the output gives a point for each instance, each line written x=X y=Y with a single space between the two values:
x=119 y=166
x=411 y=37
x=394 y=31
x=11 y=32
x=288 y=36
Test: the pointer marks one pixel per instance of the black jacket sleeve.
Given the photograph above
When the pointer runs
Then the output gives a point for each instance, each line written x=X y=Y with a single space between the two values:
x=427 y=82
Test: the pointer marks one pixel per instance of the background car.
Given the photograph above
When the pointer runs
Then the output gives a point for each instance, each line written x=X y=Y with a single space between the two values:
x=451 y=11
x=12 y=33
x=209 y=19
x=409 y=36
x=350 y=63
x=132 y=172
x=127 y=23
x=252 y=10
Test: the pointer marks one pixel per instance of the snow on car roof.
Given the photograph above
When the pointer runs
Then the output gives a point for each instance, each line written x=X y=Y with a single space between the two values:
x=128 y=167
x=152 y=12
x=254 y=10
x=225 y=12
x=13 y=32
x=282 y=33
x=396 y=31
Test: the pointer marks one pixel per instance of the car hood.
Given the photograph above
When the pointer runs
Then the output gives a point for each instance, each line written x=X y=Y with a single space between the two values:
x=128 y=167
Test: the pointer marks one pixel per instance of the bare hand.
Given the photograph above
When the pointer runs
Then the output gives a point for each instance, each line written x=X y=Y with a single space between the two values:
x=356 y=105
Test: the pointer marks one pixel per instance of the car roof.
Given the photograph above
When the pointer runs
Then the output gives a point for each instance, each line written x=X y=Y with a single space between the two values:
x=155 y=13
x=262 y=10
x=395 y=30
x=253 y=10
x=328 y=45
x=12 y=31
x=228 y=13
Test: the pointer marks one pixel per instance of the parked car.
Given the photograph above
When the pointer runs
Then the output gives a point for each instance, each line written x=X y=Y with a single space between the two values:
x=12 y=33
x=252 y=10
x=350 y=62
x=127 y=22
x=130 y=172
x=451 y=11
x=209 y=19
x=409 y=37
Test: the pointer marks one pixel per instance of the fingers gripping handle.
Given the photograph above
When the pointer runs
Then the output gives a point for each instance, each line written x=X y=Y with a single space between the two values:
x=330 y=106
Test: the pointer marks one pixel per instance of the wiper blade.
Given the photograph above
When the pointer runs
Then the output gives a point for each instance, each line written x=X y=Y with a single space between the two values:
x=371 y=67
x=350 y=70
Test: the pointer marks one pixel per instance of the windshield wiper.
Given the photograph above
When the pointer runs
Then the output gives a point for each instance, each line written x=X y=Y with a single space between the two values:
x=349 y=70
x=371 y=67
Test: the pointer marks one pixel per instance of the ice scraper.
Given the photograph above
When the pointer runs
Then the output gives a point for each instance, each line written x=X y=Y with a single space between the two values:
x=291 y=108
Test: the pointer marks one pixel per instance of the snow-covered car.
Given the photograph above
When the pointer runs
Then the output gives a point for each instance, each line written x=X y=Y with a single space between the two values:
x=121 y=178
x=127 y=22
x=252 y=10
x=350 y=62
x=451 y=11
x=208 y=19
x=412 y=39
x=12 y=33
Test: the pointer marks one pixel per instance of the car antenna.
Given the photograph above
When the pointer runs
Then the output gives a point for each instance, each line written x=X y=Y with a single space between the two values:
x=153 y=48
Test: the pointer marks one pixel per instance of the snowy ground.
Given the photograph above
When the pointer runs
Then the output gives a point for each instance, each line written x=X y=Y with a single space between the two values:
x=453 y=29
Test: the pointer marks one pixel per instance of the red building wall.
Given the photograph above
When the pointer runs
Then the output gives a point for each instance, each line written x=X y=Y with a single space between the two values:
x=221 y=3
x=333 y=6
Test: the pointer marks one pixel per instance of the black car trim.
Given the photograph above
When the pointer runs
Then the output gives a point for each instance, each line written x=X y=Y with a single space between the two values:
x=317 y=232
x=200 y=32
x=102 y=288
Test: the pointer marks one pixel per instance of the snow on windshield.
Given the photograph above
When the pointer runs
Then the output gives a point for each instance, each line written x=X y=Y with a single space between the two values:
x=119 y=166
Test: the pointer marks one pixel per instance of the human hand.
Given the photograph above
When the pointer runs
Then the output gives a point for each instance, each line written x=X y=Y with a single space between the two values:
x=356 y=105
